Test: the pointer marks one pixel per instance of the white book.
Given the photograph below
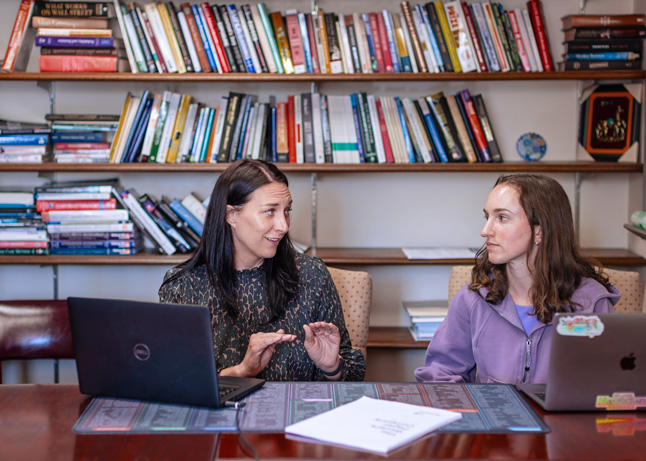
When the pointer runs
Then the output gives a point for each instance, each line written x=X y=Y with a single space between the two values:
x=147 y=224
x=374 y=120
x=458 y=26
x=127 y=126
x=247 y=36
x=347 y=51
x=335 y=112
x=192 y=52
x=17 y=234
x=18 y=198
x=424 y=41
x=169 y=124
x=431 y=310
x=199 y=133
x=524 y=36
x=409 y=43
x=195 y=207
x=249 y=131
x=350 y=131
x=418 y=135
x=256 y=141
x=396 y=140
x=21 y=158
x=317 y=129
x=209 y=38
x=219 y=127
x=298 y=129
x=160 y=36
x=493 y=30
x=142 y=18
x=262 y=38
x=345 y=64
x=91 y=227
x=362 y=44
x=85 y=215
x=532 y=40
x=152 y=123
x=373 y=425
x=124 y=36
x=187 y=133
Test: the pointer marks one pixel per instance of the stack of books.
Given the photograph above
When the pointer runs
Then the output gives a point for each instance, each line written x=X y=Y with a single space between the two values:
x=425 y=317
x=82 y=138
x=77 y=37
x=603 y=42
x=22 y=142
x=307 y=128
x=82 y=218
x=21 y=229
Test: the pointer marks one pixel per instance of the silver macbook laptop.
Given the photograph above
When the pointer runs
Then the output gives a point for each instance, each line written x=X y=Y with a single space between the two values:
x=597 y=363
x=149 y=351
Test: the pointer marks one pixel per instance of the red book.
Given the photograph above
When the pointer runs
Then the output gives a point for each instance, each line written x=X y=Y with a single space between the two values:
x=385 y=51
x=476 y=127
x=23 y=244
x=44 y=205
x=518 y=38
x=75 y=63
x=316 y=69
x=17 y=51
x=295 y=41
x=376 y=39
x=217 y=42
x=482 y=64
x=81 y=145
x=291 y=129
x=534 y=8
x=195 y=36
x=384 y=133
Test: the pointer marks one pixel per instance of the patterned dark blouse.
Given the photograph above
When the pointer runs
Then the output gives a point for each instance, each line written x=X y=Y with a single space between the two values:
x=317 y=300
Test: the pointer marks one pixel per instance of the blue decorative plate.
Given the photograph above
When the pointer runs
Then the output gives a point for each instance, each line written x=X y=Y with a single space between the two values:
x=531 y=146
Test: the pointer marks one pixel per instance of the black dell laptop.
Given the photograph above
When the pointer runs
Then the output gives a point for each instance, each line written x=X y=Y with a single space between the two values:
x=150 y=351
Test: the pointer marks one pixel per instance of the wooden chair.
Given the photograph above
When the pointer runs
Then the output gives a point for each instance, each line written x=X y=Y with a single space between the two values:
x=628 y=282
x=355 y=291
x=35 y=330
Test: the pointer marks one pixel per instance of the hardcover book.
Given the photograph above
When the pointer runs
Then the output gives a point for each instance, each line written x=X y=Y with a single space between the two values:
x=610 y=123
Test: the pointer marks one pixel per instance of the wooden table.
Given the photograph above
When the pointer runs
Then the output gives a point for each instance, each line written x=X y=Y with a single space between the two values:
x=36 y=424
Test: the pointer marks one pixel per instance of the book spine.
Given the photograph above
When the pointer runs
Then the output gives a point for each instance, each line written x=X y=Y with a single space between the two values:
x=515 y=53
x=148 y=226
x=93 y=251
x=460 y=35
x=312 y=34
x=407 y=140
x=388 y=152
x=531 y=38
x=248 y=40
x=490 y=23
x=190 y=44
x=448 y=36
x=600 y=65
x=152 y=41
x=603 y=56
x=392 y=40
x=487 y=129
x=367 y=130
x=133 y=38
x=333 y=42
x=70 y=42
x=308 y=133
x=476 y=126
x=205 y=37
x=90 y=244
x=417 y=48
x=18 y=32
x=44 y=205
x=486 y=38
x=436 y=29
x=596 y=20
x=73 y=9
x=282 y=42
x=362 y=43
x=271 y=37
x=264 y=40
x=179 y=36
x=475 y=40
x=242 y=43
x=534 y=7
x=160 y=35
x=453 y=149
x=138 y=30
x=305 y=39
x=69 y=23
x=167 y=28
x=502 y=33
x=255 y=38
x=197 y=39
x=377 y=39
x=295 y=41
x=357 y=127
x=461 y=129
x=518 y=38
x=215 y=39
x=186 y=215
x=325 y=127
x=324 y=51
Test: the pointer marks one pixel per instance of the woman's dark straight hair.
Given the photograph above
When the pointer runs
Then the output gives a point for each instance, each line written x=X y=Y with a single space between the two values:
x=215 y=251
x=559 y=266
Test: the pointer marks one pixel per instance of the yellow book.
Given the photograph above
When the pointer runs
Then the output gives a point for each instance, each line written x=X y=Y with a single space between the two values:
x=448 y=36
x=282 y=41
x=172 y=39
x=178 y=128
x=118 y=134
x=324 y=44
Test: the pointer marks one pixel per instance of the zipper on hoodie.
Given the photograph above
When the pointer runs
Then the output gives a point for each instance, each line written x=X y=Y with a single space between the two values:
x=527 y=358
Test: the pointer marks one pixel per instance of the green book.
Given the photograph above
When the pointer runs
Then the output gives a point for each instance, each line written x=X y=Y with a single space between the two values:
x=271 y=38
x=367 y=130
x=159 y=128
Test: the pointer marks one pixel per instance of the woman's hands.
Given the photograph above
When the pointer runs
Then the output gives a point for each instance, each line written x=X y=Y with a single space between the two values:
x=322 y=342
x=259 y=350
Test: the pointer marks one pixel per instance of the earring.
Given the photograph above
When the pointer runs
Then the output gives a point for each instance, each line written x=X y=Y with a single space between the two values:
x=537 y=243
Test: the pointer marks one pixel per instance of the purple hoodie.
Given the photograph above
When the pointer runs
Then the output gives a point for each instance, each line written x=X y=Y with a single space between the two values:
x=492 y=337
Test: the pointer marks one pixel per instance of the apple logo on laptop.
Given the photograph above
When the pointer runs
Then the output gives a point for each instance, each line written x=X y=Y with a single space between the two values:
x=628 y=362
x=141 y=352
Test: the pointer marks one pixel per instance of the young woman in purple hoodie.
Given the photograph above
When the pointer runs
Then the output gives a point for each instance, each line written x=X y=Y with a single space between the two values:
x=499 y=326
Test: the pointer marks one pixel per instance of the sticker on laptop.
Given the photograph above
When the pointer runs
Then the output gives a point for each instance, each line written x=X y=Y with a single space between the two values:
x=580 y=325
x=620 y=401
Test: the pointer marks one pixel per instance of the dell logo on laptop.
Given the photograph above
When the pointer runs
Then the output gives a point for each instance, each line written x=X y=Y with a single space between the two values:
x=141 y=352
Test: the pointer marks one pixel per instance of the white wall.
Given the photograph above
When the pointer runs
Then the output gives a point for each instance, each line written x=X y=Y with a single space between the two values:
x=354 y=209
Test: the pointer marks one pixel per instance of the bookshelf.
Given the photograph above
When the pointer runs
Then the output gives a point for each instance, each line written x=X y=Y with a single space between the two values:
x=358 y=236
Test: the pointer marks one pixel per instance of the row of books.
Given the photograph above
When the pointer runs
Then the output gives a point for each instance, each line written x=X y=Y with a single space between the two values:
x=159 y=37
x=603 y=42
x=424 y=317
x=307 y=128
x=23 y=142
x=97 y=218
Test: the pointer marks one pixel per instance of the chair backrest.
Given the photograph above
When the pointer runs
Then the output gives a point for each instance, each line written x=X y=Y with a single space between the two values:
x=355 y=291
x=35 y=330
x=628 y=282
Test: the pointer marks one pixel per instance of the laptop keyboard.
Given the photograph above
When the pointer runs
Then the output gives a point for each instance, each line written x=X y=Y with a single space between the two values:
x=225 y=390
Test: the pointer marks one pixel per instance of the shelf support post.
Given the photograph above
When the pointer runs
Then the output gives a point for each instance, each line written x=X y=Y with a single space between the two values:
x=55 y=293
x=314 y=197
x=577 y=205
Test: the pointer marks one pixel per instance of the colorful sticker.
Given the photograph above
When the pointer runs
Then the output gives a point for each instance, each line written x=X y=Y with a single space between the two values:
x=620 y=401
x=580 y=325
x=621 y=425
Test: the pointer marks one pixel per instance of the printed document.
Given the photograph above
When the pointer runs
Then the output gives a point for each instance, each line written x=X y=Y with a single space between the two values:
x=373 y=425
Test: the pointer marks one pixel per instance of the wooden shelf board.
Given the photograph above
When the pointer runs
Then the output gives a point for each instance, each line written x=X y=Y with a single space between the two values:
x=306 y=78
x=636 y=230
x=508 y=167
x=331 y=256
x=393 y=338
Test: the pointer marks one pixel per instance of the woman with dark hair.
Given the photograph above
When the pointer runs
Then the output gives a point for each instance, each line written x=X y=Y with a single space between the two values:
x=499 y=326
x=276 y=313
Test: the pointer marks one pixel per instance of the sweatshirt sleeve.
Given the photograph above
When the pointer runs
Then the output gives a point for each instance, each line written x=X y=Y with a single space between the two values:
x=449 y=357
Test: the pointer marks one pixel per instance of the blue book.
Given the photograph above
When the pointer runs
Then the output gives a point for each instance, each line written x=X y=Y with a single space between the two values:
x=302 y=22
x=76 y=136
x=432 y=129
x=237 y=145
x=485 y=37
x=426 y=23
x=371 y=43
x=357 y=127
x=242 y=42
x=392 y=40
x=603 y=56
x=33 y=139
x=273 y=154
x=131 y=156
x=78 y=42
x=86 y=244
x=207 y=134
x=135 y=124
x=197 y=14
x=402 y=120
x=93 y=251
x=196 y=139
x=187 y=216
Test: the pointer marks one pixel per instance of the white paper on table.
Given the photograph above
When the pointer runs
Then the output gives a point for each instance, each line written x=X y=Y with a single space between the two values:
x=372 y=424
x=440 y=253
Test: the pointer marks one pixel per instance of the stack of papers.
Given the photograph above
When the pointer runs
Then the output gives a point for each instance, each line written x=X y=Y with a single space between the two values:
x=425 y=317
x=440 y=253
x=368 y=424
